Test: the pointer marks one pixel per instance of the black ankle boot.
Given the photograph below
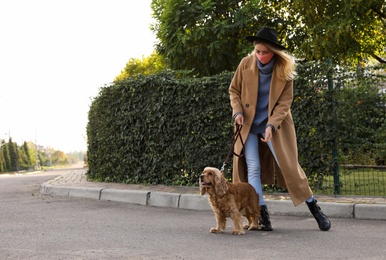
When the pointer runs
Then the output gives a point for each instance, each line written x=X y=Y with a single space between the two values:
x=264 y=221
x=323 y=221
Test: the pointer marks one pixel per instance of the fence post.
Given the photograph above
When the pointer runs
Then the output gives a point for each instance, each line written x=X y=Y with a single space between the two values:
x=333 y=126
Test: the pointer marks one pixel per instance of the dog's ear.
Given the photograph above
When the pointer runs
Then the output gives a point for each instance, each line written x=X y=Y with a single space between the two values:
x=221 y=183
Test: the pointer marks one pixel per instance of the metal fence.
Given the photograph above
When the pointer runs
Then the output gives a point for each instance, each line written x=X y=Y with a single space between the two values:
x=347 y=133
x=361 y=180
x=366 y=177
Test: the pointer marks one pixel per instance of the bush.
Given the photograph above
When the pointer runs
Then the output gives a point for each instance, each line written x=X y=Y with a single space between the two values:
x=159 y=129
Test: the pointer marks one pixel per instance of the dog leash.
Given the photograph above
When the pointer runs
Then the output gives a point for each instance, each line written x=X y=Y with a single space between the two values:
x=236 y=135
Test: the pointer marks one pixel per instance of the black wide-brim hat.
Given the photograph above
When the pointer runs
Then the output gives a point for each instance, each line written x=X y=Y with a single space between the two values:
x=268 y=35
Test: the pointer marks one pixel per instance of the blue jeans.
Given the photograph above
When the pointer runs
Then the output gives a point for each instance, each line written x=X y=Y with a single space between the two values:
x=251 y=149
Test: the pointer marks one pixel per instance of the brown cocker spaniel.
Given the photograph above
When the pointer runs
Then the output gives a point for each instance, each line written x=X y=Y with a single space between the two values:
x=230 y=200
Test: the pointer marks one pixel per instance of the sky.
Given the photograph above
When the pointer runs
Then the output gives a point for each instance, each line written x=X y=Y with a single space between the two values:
x=55 y=55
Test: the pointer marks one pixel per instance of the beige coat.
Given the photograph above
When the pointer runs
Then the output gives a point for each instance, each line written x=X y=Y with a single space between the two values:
x=243 y=96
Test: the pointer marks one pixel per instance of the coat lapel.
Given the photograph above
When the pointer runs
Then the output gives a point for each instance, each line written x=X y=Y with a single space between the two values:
x=251 y=81
x=276 y=89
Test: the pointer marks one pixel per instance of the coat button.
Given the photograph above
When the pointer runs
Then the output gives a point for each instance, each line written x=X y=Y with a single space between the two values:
x=247 y=105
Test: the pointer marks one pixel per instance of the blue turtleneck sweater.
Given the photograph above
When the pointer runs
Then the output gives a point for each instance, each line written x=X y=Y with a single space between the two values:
x=261 y=116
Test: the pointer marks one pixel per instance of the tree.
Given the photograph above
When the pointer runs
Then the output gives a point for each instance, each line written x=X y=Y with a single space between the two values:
x=60 y=158
x=25 y=149
x=2 y=161
x=32 y=153
x=7 y=157
x=208 y=36
x=14 y=155
x=152 y=64
x=25 y=161
x=204 y=36
x=344 y=30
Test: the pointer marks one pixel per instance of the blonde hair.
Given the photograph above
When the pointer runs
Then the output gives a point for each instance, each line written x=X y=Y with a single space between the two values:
x=284 y=62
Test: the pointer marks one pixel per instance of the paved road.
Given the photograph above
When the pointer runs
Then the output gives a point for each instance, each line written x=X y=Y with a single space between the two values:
x=36 y=226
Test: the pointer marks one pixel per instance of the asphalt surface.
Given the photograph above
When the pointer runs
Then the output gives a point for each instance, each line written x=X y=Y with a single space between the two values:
x=74 y=183
x=36 y=226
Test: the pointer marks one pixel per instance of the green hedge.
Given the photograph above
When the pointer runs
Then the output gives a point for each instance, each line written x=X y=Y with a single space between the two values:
x=165 y=128
x=159 y=129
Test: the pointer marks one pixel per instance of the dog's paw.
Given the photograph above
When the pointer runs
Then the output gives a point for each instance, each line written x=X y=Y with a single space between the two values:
x=215 y=230
x=238 y=232
x=254 y=228
x=246 y=226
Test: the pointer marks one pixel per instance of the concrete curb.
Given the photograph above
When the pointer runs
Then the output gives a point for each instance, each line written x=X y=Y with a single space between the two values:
x=335 y=210
x=48 y=189
x=370 y=211
x=194 y=202
x=197 y=202
x=91 y=193
x=129 y=196
x=164 y=199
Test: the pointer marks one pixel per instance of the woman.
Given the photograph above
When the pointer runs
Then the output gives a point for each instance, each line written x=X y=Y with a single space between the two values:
x=261 y=94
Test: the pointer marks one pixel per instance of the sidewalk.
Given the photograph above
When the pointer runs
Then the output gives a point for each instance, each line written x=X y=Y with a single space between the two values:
x=74 y=183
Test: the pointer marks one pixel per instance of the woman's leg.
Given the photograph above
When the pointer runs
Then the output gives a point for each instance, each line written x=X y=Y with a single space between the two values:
x=254 y=173
x=323 y=221
x=272 y=151
x=251 y=148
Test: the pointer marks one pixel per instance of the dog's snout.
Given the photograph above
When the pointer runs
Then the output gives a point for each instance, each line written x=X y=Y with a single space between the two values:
x=201 y=177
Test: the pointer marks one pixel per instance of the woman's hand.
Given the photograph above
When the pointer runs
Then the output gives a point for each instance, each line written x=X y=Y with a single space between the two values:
x=268 y=135
x=239 y=119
